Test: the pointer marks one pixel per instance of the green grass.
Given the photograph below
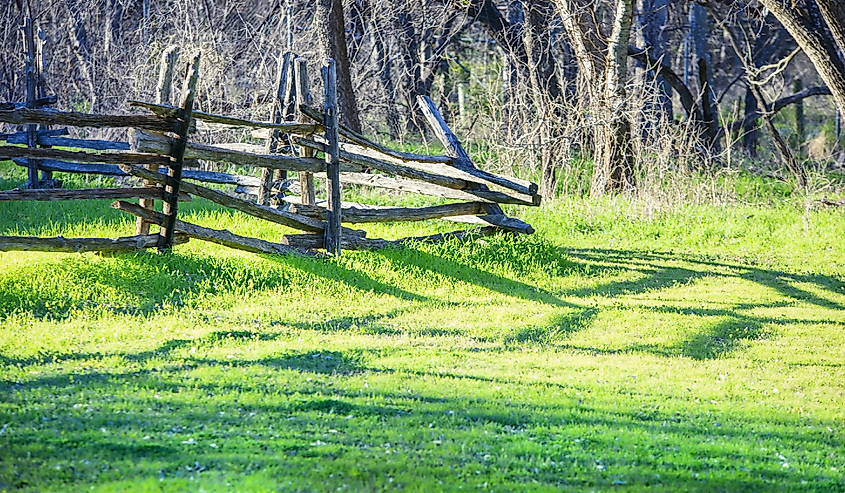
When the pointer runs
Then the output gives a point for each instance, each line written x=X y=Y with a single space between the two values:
x=700 y=349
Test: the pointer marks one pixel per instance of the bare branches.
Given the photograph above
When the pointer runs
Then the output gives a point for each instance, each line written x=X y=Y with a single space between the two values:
x=751 y=70
x=776 y=68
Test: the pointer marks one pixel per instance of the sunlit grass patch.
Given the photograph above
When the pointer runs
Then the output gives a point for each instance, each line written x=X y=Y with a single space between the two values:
x=698 y=351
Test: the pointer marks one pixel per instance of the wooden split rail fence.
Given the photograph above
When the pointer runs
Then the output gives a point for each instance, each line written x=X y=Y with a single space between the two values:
x=159 y=150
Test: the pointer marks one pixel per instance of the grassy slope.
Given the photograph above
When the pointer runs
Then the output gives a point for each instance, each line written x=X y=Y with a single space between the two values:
x=701 y=350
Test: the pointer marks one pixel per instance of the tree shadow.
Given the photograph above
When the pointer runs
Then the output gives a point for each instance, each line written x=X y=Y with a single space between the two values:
x=735 y=329
x=778 y=280
x=462 y=272
x=356 y=279
x=179 y=279
x=145 y=282
x=132 y=283
x=378 y=324
x=230 y=428
x=560 y=327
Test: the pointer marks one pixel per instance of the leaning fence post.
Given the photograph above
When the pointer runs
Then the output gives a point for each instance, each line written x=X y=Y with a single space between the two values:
x=303 y=97
x=272 y=143
x=177 y=153
x=453 y=146
x=165 y=82
x=332 y=157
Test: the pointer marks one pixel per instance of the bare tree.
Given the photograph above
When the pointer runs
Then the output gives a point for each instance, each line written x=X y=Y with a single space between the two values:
x=603 y=69
x=652 y=17
x=329 y=27
x=751 y=71
x=546 y=92
x=508 y=64
x=810 y=23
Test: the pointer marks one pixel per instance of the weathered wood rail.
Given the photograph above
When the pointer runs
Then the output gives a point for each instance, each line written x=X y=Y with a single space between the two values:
x=47 y=159
x=298 y=138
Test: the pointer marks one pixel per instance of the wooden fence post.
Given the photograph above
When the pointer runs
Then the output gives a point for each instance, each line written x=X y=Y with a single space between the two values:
x=31 y=97
x=276 y=116
x=177 y=153
x=303 y=97
x=453 y=146
x=165 y=82
x=332 y=157
x=41 y=95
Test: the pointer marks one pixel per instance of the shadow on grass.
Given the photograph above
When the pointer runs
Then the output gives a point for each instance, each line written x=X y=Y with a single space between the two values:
x=734 y=331
x=328 y=362
x=735 y=327
x=463 y=272
x=380 y=324
x=560 y=327
x=97 y=427
x=713 y=341
x=145 y=283
x=781 y=281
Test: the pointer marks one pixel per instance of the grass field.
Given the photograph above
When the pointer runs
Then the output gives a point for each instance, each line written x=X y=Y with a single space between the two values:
x=698 y=349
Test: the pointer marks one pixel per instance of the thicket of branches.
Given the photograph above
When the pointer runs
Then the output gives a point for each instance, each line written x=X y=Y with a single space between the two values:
x=641 y=89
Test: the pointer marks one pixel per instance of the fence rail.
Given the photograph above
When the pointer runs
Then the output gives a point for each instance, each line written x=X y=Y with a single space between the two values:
x=295 y=136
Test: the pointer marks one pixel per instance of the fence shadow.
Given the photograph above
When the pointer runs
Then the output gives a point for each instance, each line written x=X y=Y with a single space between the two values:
x=144 y=283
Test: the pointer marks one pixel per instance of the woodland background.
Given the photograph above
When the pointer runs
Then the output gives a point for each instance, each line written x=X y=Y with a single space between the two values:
x=547 y=90
x=683 y=232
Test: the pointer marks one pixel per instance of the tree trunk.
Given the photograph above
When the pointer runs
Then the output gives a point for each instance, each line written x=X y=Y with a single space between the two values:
x=800 y=132
x=588 y=46
x=79 y=42
x=113 y=25
x=700 y=61
x=545 y=88
x=711 y=123
x=603 y=70
x=542 y=65
x=613 y=168
x=813 y=41
x=331 y=40
x=510 y=79
x=381 y=55
x=413 y=70
x=652 y=18
x=749 y=130
x=569 y=71
x=833 y=12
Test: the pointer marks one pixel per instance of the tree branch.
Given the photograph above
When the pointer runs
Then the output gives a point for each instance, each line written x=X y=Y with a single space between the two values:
x=687 y=100
x=776 y=106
